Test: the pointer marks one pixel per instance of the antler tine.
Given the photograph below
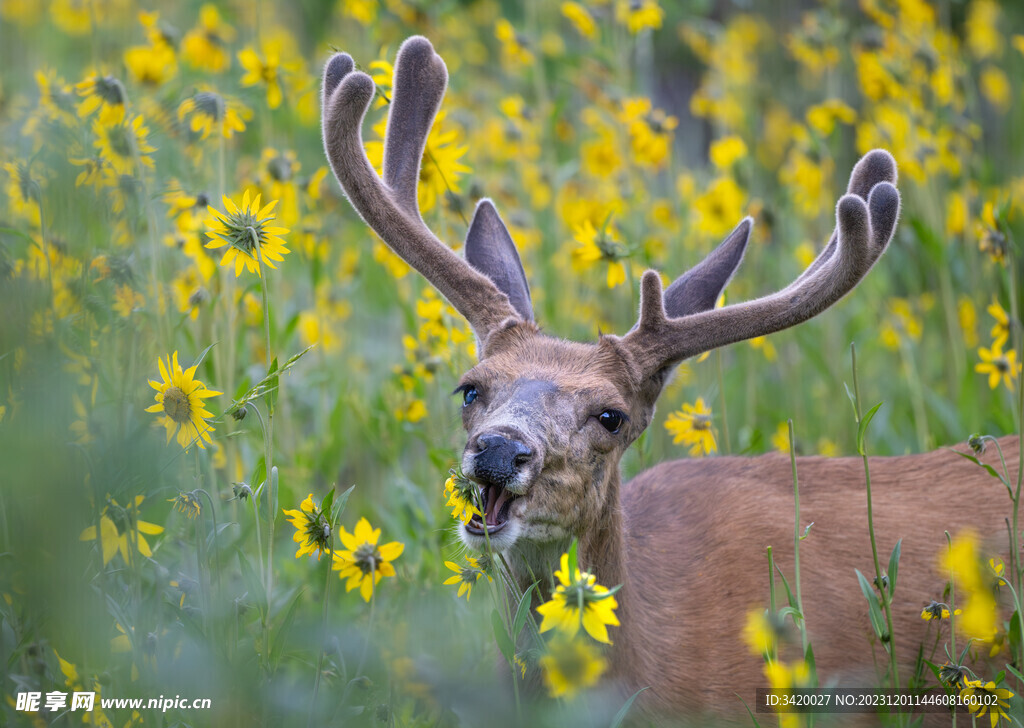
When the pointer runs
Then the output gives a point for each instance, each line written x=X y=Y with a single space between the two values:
x=389 y=206
x=863 y=231
x=874 y=167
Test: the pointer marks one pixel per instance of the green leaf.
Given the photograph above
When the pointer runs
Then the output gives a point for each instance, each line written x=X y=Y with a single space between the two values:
x=202 y=355
x=522 y=611
x=894 y=566
x=253 y=584
x=339 y=505
x=1015 y=673
x=573 y=563
x=874 y=608
x=621 y=715
x=282 y=631
x=1013 y=633
x=807 y=531
x=988 y=468
x=785 y=583
x=325 y=504
x=863 y=427
x=501 y=636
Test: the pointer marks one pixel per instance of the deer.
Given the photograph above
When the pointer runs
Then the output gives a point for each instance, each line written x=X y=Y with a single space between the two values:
x=548 y=420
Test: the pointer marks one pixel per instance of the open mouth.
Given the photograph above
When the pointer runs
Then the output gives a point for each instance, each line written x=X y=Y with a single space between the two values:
x=497 y=503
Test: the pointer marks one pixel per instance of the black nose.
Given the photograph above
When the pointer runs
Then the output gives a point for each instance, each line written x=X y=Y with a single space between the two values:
x=499 y=459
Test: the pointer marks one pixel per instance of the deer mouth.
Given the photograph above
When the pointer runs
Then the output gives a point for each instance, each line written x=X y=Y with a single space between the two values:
x=497 y=504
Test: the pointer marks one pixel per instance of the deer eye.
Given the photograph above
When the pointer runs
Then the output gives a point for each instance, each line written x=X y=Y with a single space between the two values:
x=611 y=420
x=469 y=393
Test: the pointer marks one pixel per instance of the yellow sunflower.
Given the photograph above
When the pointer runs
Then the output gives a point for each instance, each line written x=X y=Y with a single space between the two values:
x=312 y=530
x=104 y=93
x=241 y=229
x=466 y=576
x=578 y=600
x=117 y=524
x=121 y=142
x=179 y=397
x=208 y=112
x=363 y=562
x=692 y=426
x=571 y=665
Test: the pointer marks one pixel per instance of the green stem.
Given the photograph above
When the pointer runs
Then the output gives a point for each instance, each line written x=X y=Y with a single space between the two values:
x=883 y=590
x=952 y=609
x=323 y=627
x=721 y=399
x=796 y=538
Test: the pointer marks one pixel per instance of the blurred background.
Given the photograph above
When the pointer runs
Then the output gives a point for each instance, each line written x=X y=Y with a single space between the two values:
x=145 y=553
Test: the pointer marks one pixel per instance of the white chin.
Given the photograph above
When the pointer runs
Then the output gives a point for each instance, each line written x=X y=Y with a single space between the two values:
x=499 y=542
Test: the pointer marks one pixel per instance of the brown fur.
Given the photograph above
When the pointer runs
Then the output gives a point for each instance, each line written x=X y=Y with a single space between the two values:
x=686 y=539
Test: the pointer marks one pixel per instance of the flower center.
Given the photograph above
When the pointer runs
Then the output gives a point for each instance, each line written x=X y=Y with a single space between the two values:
x=176 y=405
x=109 y=89
x=210 y=104
x=701 y=422
x=367 y=557
x=119 y=141
x=1002 y=364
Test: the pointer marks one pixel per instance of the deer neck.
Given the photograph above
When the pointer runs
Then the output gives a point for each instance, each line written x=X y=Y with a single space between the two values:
x=599 y=552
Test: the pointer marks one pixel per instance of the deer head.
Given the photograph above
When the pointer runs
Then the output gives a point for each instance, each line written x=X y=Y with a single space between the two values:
x=547 y=419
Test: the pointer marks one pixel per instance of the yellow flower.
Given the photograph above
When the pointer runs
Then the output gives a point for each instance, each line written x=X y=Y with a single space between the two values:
x=980 y=618
x=580 y=18
x=638 y=14
x=265 y=68
x=312 y=529
x=126 y=301
x=726 y=151
x=461 y=491
x=513 y=46
x=205 y=46
x=595 y=246
x=104 y=93
x=692 y=426
x=121 y=143
x=998 y=366
x=1001 y=331
x=571 y=665
x=780 y=438
x=240 y=229
x=208 y=111
x=152 y=64
x=823 y=117
x=120 y=528
x=937 y=610
x=362 y=562
x=465 y=576
x=578 y=600
x=179 y=398
x=759 y=634
x=987 y=698
x=720 y=207
x=187 y=503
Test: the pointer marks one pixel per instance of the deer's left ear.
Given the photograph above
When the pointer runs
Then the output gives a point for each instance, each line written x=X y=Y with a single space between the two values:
x=490 y=250
x=699 y=288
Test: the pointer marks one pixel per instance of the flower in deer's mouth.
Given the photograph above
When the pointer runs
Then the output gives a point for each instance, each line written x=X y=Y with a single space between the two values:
x=570 y=665
x=312 y=531
x=363 y=562
x=461 y=491
x=579 y=600
x=179 y=397
x=987 y=698
x=466 y=576
x=245 y=230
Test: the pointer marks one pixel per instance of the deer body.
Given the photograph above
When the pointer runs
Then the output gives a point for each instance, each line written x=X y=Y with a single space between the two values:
x=548 y=421
x=695 y=533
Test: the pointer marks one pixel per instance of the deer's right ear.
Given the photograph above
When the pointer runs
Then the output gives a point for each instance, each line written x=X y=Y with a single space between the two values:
x=490 y=250
x=698 y=288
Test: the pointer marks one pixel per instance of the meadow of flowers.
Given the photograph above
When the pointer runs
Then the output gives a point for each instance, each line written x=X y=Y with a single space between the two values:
x=225 y=424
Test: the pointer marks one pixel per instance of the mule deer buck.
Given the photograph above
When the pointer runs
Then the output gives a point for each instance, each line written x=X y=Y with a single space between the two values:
x=548 y=421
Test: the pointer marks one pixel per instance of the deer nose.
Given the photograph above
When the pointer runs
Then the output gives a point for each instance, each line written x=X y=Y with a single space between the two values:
x=499 y=459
